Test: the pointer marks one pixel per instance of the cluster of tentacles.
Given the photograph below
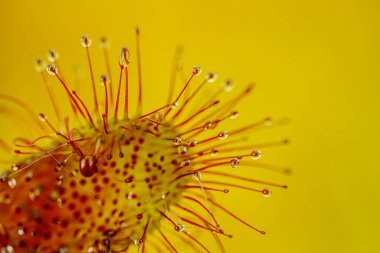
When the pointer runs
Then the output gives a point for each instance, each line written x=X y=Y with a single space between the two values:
x=102 y=182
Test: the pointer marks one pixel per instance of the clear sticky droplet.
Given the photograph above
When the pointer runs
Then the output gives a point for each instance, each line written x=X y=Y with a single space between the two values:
x=52 y=69
x=214 y=152
x=20 y=231
x=63 y=249
x=7 y=249
x=228 y=85
x=223 y=135
x=234 y=114
x=192 y=143
x=3 y=177
x=12 y=183
x=164 y=195
x=210 y=125
x=29 y=176
x=268 y=121
x=60 y=203
x=103 y=42
x=234 y=163
x=256 y=154
x=138 y=242
x=182 y=150
x=186 y=162
x=59 y=180
x=5 y=198
x=42 y=117
x=105 y=79
x=197 y=71
x=211 y=77
x=52 y=55
x=198 y=175
x=174 y=105
x=177 y=141
x=130 y=195
x=40 y=65
x=180 y=227
x=15 y=167
x=124 y=58
x=35 y=193
x=266 y=192
x=86 y=41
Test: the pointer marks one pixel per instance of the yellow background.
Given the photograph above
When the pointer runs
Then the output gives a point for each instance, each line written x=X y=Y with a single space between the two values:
x=315 y=62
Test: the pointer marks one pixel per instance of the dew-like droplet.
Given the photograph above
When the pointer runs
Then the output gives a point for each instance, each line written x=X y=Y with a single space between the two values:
x=63 y=249
x=197 y=71
x=58 y=167
x=52 y=55
x=42 y=117
x=28 y=176
x=86 y=41
x=52 y=69
x=123 y=224
x=100 y=202
x=40 y=65
x=12 y=183
x=20 y=231
x=164 y=195
x=59 y=180
x=35 y=193
x=3 y=177
x=192 y=143
x=266 y=192
x=198 y=175
x=211 y=77
x=138 y=242
x=15 y=167
x=7 y=249
x=87 y=166
x=256 y=154
x=228 y=85
x=234 y=163
x=124 y=58
x=210 y=124
x=214 y=152
x=268 y=121
x=105 y=79
x=177 y=141
x=4 y=198
x=223 y=135
x=182 y=150
x=234 y=114
x=179 y=227
x=129 y=180
x=186 y=162
x=60 y=203
x=174 y=105
x=103 y=42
